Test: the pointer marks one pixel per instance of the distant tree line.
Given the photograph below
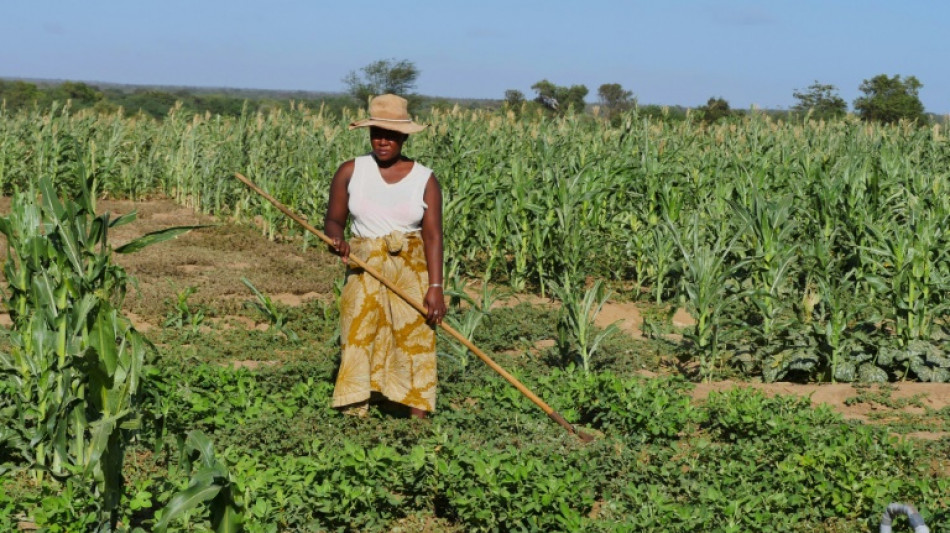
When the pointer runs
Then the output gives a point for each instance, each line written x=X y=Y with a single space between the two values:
x=884 y=98
x=156 y=103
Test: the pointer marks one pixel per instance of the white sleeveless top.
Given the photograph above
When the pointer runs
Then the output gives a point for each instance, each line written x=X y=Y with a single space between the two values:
x=379 y=208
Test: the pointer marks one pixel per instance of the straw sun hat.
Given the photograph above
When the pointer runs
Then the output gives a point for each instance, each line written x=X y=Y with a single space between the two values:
x=389 y=112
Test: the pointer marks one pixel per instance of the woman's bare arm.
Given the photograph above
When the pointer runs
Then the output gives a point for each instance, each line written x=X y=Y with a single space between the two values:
x=334 y=223
x=432 y=239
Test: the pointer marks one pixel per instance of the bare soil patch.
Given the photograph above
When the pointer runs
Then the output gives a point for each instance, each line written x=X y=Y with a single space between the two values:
x=213 y=260
x=841 y=397
x=625 y=314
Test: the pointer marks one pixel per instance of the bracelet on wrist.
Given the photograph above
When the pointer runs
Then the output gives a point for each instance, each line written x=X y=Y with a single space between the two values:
x=435 y=285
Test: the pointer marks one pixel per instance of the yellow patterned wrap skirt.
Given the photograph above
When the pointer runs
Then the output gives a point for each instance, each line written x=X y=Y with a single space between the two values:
x=387 y=345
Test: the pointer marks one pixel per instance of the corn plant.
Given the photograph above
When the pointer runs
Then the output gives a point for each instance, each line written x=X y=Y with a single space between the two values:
x=837 y=324
x=771 y=253
x=455 y=283
x=495 y=231
x=709 y=288
x=913 y=281
x=211 y=484
x=469 y=320
x=183 y=314
x=75 y=364
x=661 y=262
x=578 y=339
x=573 y=235
x=276 y=318
x=837 y=315
x=909 y=257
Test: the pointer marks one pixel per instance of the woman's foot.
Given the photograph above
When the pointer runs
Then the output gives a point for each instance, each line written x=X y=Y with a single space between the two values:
x=400 y=410
x=359 y=410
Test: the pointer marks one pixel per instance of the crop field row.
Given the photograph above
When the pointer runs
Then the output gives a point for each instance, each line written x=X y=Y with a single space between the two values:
x=808 y=252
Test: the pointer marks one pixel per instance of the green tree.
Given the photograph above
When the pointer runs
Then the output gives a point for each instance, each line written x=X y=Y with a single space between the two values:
x=19 y=94
x=662 y=113
x=715 y=109
x=889 y=99
x=560 y=99
x=152 y=102
x=381 y=77
x=822 y=100
x=514 y=101
x=614 y=99
x=514 y=98
x=78 y=92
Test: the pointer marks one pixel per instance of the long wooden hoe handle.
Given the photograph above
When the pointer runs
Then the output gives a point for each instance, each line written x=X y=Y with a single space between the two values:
x=419 y=307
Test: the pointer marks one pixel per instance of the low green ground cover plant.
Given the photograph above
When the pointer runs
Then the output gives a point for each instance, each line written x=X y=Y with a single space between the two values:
x=487 y=461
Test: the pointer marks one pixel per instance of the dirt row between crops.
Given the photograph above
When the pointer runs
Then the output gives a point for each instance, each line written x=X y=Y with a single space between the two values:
x=214 y=259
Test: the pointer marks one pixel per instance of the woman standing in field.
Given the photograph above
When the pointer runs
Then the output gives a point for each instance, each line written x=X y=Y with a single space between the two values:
x=396 y=209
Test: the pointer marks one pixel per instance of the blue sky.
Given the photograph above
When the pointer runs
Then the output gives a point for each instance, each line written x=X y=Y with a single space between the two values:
x=667 y=52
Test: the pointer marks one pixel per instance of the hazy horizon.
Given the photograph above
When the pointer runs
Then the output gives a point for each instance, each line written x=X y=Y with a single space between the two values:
x=678 y=53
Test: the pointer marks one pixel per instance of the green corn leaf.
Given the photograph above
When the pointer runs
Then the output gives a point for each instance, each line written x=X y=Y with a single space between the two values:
x=876 y=282
x=138 y=349
x=100 y=433
x=97 y=232
x=199 y=442
x=51 y=199
x=71 y=247
x=226 y=519
x=156 y=237
x=103 y=340
x=80 y=311
x=258 y=294
x=123 y=219
x=185 y=501
x=208 y=474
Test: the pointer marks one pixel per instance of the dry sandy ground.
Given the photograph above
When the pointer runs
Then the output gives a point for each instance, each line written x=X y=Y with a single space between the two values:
x=214 y=259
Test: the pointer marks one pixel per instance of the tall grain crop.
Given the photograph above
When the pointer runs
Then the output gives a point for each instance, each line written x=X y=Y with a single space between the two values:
x=71 y=379
x=530 y=199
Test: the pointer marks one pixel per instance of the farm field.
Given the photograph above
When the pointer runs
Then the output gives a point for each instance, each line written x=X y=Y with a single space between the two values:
x=800 y=390
x=684 y=453
x=294 y=278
